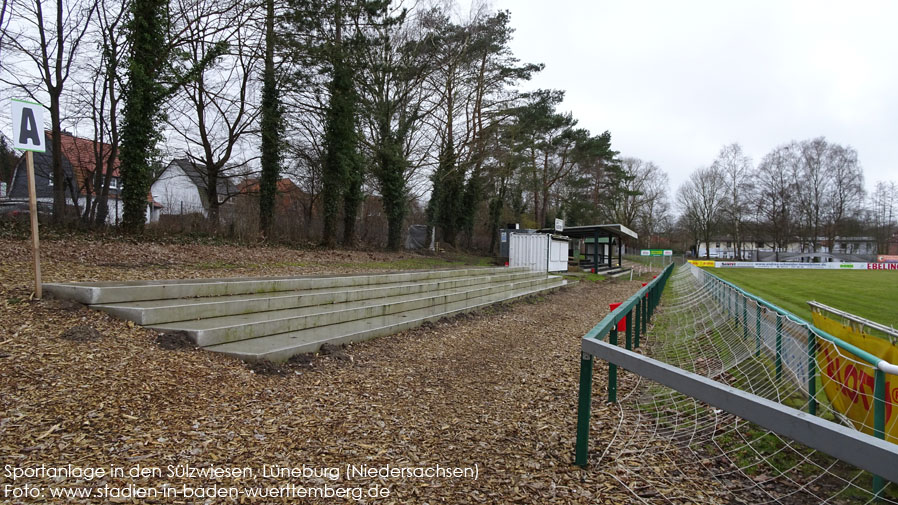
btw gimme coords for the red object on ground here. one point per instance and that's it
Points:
(654, 277)
(593, 271)
(506, 263)
(622, 324)
(644, 284)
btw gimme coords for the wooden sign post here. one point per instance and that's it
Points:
(28, 136)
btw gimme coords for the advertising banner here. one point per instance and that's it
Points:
(802, 266)
(885, 258)
(882, 266)
(703, 263)
(848, 381)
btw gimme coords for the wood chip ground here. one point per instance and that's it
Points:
(496, 389)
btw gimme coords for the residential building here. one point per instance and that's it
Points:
(181, 188)
(724, 248)
(79, 164)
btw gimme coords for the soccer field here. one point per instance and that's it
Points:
(872, 294)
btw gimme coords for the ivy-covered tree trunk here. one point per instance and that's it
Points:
(497, 203)
(270, 125)
(391, 166)
(472, 195)
(141, 113)
(340, 156)
(448, 192)
(352, 199)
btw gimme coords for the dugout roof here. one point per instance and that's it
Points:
(593, 230)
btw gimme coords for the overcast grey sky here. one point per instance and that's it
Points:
(675, 80)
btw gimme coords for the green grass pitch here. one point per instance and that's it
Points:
(872, 294)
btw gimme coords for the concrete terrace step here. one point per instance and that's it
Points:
(282, 346)
(156, 312)
(93, 293)
(219, 330)
(617, 272)
(275, 318)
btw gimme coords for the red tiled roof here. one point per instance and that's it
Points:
(80, 153)
(284, 187)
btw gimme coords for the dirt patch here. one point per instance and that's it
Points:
(267, 368)
(81, 333)
(66, 305)
(337, 352)
(175, 341)
(302, 361)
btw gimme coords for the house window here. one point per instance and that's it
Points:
(718, 245)
(221, 198)
(114, 183)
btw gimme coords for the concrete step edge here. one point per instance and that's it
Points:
(270, 323)
(283, 353)
(186, 309)
(110, 292)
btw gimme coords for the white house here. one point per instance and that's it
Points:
(181, 189)
(724, 248)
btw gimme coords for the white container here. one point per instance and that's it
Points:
(538, 252)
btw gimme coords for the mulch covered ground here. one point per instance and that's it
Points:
(494, 390)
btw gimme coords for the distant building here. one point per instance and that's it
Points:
(181, 188)
(78, 165)
(288, 197)
(753, 250)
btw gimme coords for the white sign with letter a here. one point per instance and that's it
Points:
(28, 126)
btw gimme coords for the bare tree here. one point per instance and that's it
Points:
(845, 195)
(701, 199)
(814, 182)
(218, 110)
(98, 99)
(735, 168)
(654, 207)
(45, 42)
(644, 184)
(776, 194)
(884, 212)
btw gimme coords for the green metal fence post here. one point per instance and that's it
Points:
(654, 298)
(637, 310)
(812, 373)
(879, 422)
(779, 346)
(645, 314)
(651, 300)
(583, 407)
(628, 339)
(758, 331)
(744, 318)
(612, 368)
(735, 306)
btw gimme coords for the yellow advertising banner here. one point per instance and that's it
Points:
(702, 263)
(848, 381)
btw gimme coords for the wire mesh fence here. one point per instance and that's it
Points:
(714, 329)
